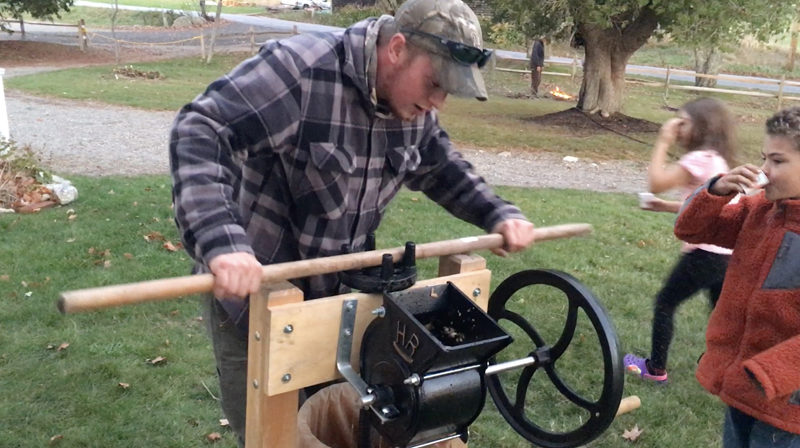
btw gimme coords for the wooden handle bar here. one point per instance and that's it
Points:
(628, 404)
(168, 288)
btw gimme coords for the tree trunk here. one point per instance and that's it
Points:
(792, 46)
(603, 78)
(203, 12)
(706, 61)
(607, 52)
(214, 31)
(114, 31)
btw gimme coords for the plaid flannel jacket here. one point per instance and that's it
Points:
(286, 158)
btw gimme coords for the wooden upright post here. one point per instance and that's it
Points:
(4, 130)
(271, 420)
(252, 40)
(83, 38)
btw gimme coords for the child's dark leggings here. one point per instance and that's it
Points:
(695, 271)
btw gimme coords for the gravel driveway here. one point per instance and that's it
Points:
(95, 139)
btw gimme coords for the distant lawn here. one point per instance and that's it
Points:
(186, 5)
(101, 17)
(182, 80)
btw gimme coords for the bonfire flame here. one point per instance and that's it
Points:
(560, 94)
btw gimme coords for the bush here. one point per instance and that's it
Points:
(505, 35)
(157, 18)
(347, 15)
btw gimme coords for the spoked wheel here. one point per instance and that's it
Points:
(591, 411)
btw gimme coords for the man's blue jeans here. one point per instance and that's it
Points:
(230, 352)
(742, 431)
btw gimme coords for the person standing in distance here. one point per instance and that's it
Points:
(536, 65)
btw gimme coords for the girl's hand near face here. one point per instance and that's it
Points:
(663, 176)
(669, 131)
(736, 181)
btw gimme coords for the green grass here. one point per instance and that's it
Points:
(185, 5)
(75, 392)
(182, 80)
(101, 17)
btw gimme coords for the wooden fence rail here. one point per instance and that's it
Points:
(668, 82)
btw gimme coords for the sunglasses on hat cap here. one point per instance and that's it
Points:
(462, 53)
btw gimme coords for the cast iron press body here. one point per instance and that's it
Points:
(428, 358)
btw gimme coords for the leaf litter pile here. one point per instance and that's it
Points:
(22, 181)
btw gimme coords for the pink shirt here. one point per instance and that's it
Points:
(702, 165)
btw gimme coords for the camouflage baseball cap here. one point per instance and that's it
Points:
(450, 31)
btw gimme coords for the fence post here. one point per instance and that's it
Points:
(252, 41)
(780, 91)
(83, 39)
(666, 84)
(4, 132)
(202, 46)
(574, 66)
(22, 27)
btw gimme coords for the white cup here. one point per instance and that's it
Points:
(761, 181)
(646, 199)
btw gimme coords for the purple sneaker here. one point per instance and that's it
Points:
(638, 366)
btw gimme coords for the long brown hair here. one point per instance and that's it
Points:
(712, 128)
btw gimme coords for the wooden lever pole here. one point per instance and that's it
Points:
(628, 404)
(168, 288)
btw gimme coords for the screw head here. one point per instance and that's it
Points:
(286, 377)
(255, 384)
(476, 292)
(288, 328)
(348, 332)
(257, 335)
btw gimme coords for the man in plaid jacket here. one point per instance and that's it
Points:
(298, 151)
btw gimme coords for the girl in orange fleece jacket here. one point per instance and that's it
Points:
(752, 359)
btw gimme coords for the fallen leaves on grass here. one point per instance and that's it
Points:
(123, 386)
(154, 236)
(214, 437)
(22, 192)
(100, 257)
(167, 244)
(56, 438)
(129, 71)
(158, 360)
(633, 434)
(171, 247)
(60, 347)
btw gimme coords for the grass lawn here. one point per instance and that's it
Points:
(73, 392)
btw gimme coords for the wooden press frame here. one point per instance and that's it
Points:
(292, 345)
